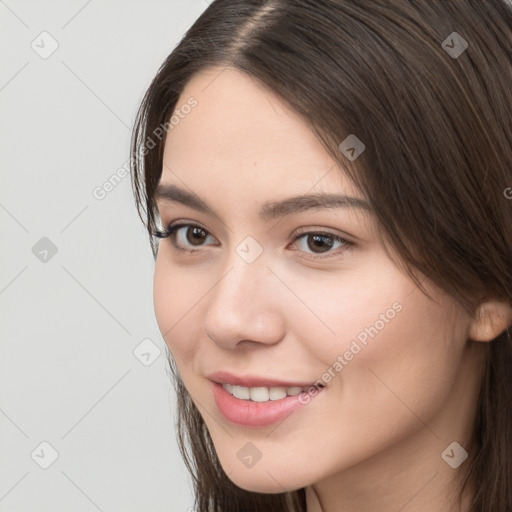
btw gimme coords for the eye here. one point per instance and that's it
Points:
(321, 241)
(186, 235)
(193, 234)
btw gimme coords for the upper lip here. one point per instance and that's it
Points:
(251, 381)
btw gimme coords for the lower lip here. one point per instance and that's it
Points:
(257, 414)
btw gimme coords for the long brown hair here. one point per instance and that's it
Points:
(434, 110)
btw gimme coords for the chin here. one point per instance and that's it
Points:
(263, 483)
(262, 479)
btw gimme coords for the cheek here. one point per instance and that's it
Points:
(175, 299)
(164, 300)
(423, 344)
(380, 341)
(407, 366)
(338, 312)
(375, 313)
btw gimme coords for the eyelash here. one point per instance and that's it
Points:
(171, 230)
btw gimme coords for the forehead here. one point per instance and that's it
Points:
(241, 130)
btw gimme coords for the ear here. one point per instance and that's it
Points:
(491, 319)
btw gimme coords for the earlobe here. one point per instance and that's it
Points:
(491, 319)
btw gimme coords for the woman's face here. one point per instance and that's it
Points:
(252, 300)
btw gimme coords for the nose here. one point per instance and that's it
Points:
(246, 306)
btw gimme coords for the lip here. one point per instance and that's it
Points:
(250, 381)
(247, 413)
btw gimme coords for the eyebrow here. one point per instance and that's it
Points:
(270, 210)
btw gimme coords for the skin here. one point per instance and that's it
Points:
(372, 441)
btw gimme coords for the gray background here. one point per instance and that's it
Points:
(70, 321)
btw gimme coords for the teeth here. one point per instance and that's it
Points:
(259, 394)
(277, 393)
(263, 394)
(241, 392)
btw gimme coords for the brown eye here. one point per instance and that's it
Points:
(184, 236)
(314, 243)
(321, 242)
(194, 235)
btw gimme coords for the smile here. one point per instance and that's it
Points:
(263, 394)
(263, 406)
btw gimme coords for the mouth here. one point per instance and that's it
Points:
(258, 405)
(264, 393)
(254, 381)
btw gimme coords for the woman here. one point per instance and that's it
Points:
(326, 185)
